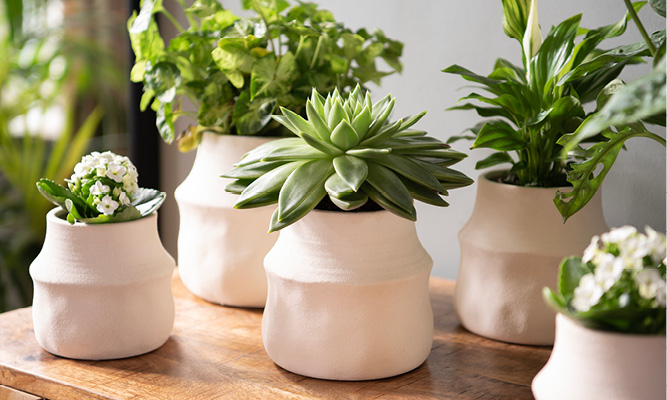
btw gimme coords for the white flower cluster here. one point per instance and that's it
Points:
(623, 250)
(106, 179)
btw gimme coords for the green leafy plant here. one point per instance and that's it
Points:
(103, 189)
(533, 107)
(621, 114)
(618, 284)
(237, 71)
(348, 152)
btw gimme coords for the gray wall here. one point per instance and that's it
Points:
(469, 33)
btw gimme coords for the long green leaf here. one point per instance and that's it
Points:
(302, 184)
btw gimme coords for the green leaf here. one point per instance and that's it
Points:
(57, 194)
(251, 116)
(301, 125)
(306, 180)
(316, 121)
(352, 170)
(424, 194)
(499, 136)
(322, 146)
(255, 155)
(658, 6)
(471, 76)
(571, 271)
(350, 201)
(234, 59)
(337, 187)
(344, 135)
(164, 120)
(390, 187)
(266, 184)
(336, 115)
(361, 123)
(368, 152)
(411, 170)
(163, 79)
(515, 18)
(493, 160)
(378, 197)
(272, 78)
(146, 202)
(294, 153)
(252, 171)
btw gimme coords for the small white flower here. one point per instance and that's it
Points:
(107, 156)
(82, 169)
(657, 245)
(592, 249)
(123, 199)
(624, 300)
(99, 188)
(107, 206)
(608, 270)
(101, 170)
(587, 294)
(650, 283)
(617, 235)
(116, 171)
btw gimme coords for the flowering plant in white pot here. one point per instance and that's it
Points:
(102, 272)
(348, 249)
(104, 188)
(612, 315)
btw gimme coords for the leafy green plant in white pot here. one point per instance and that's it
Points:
(237, 72)
(348, 278)
(610, 330)
(512, 244)
(102, 279)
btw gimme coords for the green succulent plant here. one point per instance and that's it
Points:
(348, 150)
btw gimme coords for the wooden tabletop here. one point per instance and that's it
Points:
(216, 353)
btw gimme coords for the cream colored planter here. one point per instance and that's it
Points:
(221, 250)
(348, 297)
(589, 364)
(102, 291)
(510, 249)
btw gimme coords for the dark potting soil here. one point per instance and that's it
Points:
(327, 205)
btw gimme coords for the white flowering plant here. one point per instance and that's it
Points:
(618, 285)
(104, 188)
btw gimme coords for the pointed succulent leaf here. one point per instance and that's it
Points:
(390, 186)
(385, 133)
(369, 152)
(268, 183)
(255, 155)
(379, 198)
(412, 120)
(318, 101)
(380, 120)
(344, 136)
(299, 123)
(293, 153)
(238, 186)
(424, 194)
(280, 219)
(336, 115)
(337, 187)
(322, 146)
(316, 121)
(350, 201)
(286, 123)
(410, 170)
(252, 171)
(353, 170)
(361, 122)
(304, 181)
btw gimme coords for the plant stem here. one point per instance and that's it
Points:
(173, 20)
(653, 136)
(640, 26)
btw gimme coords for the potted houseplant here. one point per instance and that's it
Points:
(348, 277)
(537, 109)
(610, 330)
(237, 72)
(102, 280)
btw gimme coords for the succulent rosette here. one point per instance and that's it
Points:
(103, 188)
(618, 284)
(347, 152)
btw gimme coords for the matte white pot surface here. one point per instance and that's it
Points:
(102, 291)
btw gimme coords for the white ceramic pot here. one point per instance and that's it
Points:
(590, 364)
(348, 297)
(102, 291)
(221, 250)
(511, 248)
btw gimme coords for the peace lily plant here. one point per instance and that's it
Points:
(237, 71)
(618, 284)
(538, 108)
(102, 189)
(346, 152)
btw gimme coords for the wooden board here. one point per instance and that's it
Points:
(216, 352)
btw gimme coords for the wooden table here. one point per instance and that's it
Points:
(216, 353)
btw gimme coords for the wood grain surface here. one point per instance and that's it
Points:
(216, 352)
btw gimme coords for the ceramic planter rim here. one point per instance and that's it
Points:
(57, 215)
(489, 175)
(612, 334)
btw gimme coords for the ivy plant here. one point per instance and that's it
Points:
(348, 153)
(531, 109)
(237, 71)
